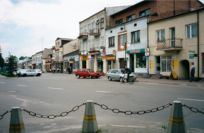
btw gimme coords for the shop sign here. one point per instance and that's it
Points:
(136, 51)
(192, 54)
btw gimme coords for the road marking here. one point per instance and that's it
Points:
(53, 88)
(130, 126)
(12, 91)
(189, 99)
(103, 91)
(2, 82)
(21, 85)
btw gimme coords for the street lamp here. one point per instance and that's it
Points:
(125, 48)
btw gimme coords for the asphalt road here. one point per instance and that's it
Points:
(56, 93)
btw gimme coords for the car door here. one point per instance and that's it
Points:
(117, 75)
(114, 74)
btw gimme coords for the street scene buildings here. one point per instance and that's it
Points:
(145, 37)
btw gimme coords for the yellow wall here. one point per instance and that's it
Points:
(179, 23)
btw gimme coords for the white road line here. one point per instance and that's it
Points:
(53, 88)
(103, 91)
(21, 85)
(12, 91)
(129, 126)
(189, 99)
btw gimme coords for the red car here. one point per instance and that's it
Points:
(86, 73)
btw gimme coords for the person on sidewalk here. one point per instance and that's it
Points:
(192, 72)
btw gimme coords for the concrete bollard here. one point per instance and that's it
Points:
(89, 122)
(16, 121)
(176, 120)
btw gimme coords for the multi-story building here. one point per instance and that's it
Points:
(92, 38)
(71, 55)
(47, 59)
(175, 43)
(129, 28)
(37, 60)
(57, 58)
(25, 63)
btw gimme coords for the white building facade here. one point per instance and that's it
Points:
(126, 45)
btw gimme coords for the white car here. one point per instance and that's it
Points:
(29, 72)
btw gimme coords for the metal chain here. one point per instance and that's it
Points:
(193, 109)
(141, 112)
(2, 115)
(52, 116)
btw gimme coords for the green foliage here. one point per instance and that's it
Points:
(1, 61)
(12, 64)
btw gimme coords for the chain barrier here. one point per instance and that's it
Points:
(2, 115)
(193, 109)
(52, 116)
(140, 112)
(104, 107)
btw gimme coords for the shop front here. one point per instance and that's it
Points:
(137, 61)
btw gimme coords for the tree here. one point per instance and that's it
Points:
(22, 57)
(12, 64)
(1, 61)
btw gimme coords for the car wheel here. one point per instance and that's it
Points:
(24, 75)
(109, 78)
(78, 76)
(121, 80)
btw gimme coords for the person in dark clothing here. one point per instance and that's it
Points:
(192, 78)
(128, 71)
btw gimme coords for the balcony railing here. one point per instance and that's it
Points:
(95, 32)
(170, 44)
(83, 36)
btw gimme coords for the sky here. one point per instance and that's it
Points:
(29, 26)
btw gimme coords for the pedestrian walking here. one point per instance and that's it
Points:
(192, 75)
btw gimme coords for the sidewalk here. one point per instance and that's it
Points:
(172, 82)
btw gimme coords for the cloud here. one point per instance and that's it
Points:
(28, 25)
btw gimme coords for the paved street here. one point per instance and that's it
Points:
(56, 93)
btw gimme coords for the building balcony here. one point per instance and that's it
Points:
(170, 45)
(83, 36)
(95, 32)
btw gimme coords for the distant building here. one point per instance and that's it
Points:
(47, 59)
(57, 58)
(25, 63)
(71, 55)
(37, 60)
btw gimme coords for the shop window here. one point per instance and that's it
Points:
(166, 63)
(135, 37)
(140, 60)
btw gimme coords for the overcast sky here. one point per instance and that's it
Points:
(28, 26)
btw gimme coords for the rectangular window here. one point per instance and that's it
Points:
(161, 35)
(144, 13)
(111, 41)
(191, 30)
(122, 39)
(135, 37)
(120, 21)
(140, 60)
(130, 18)
(166, 63)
